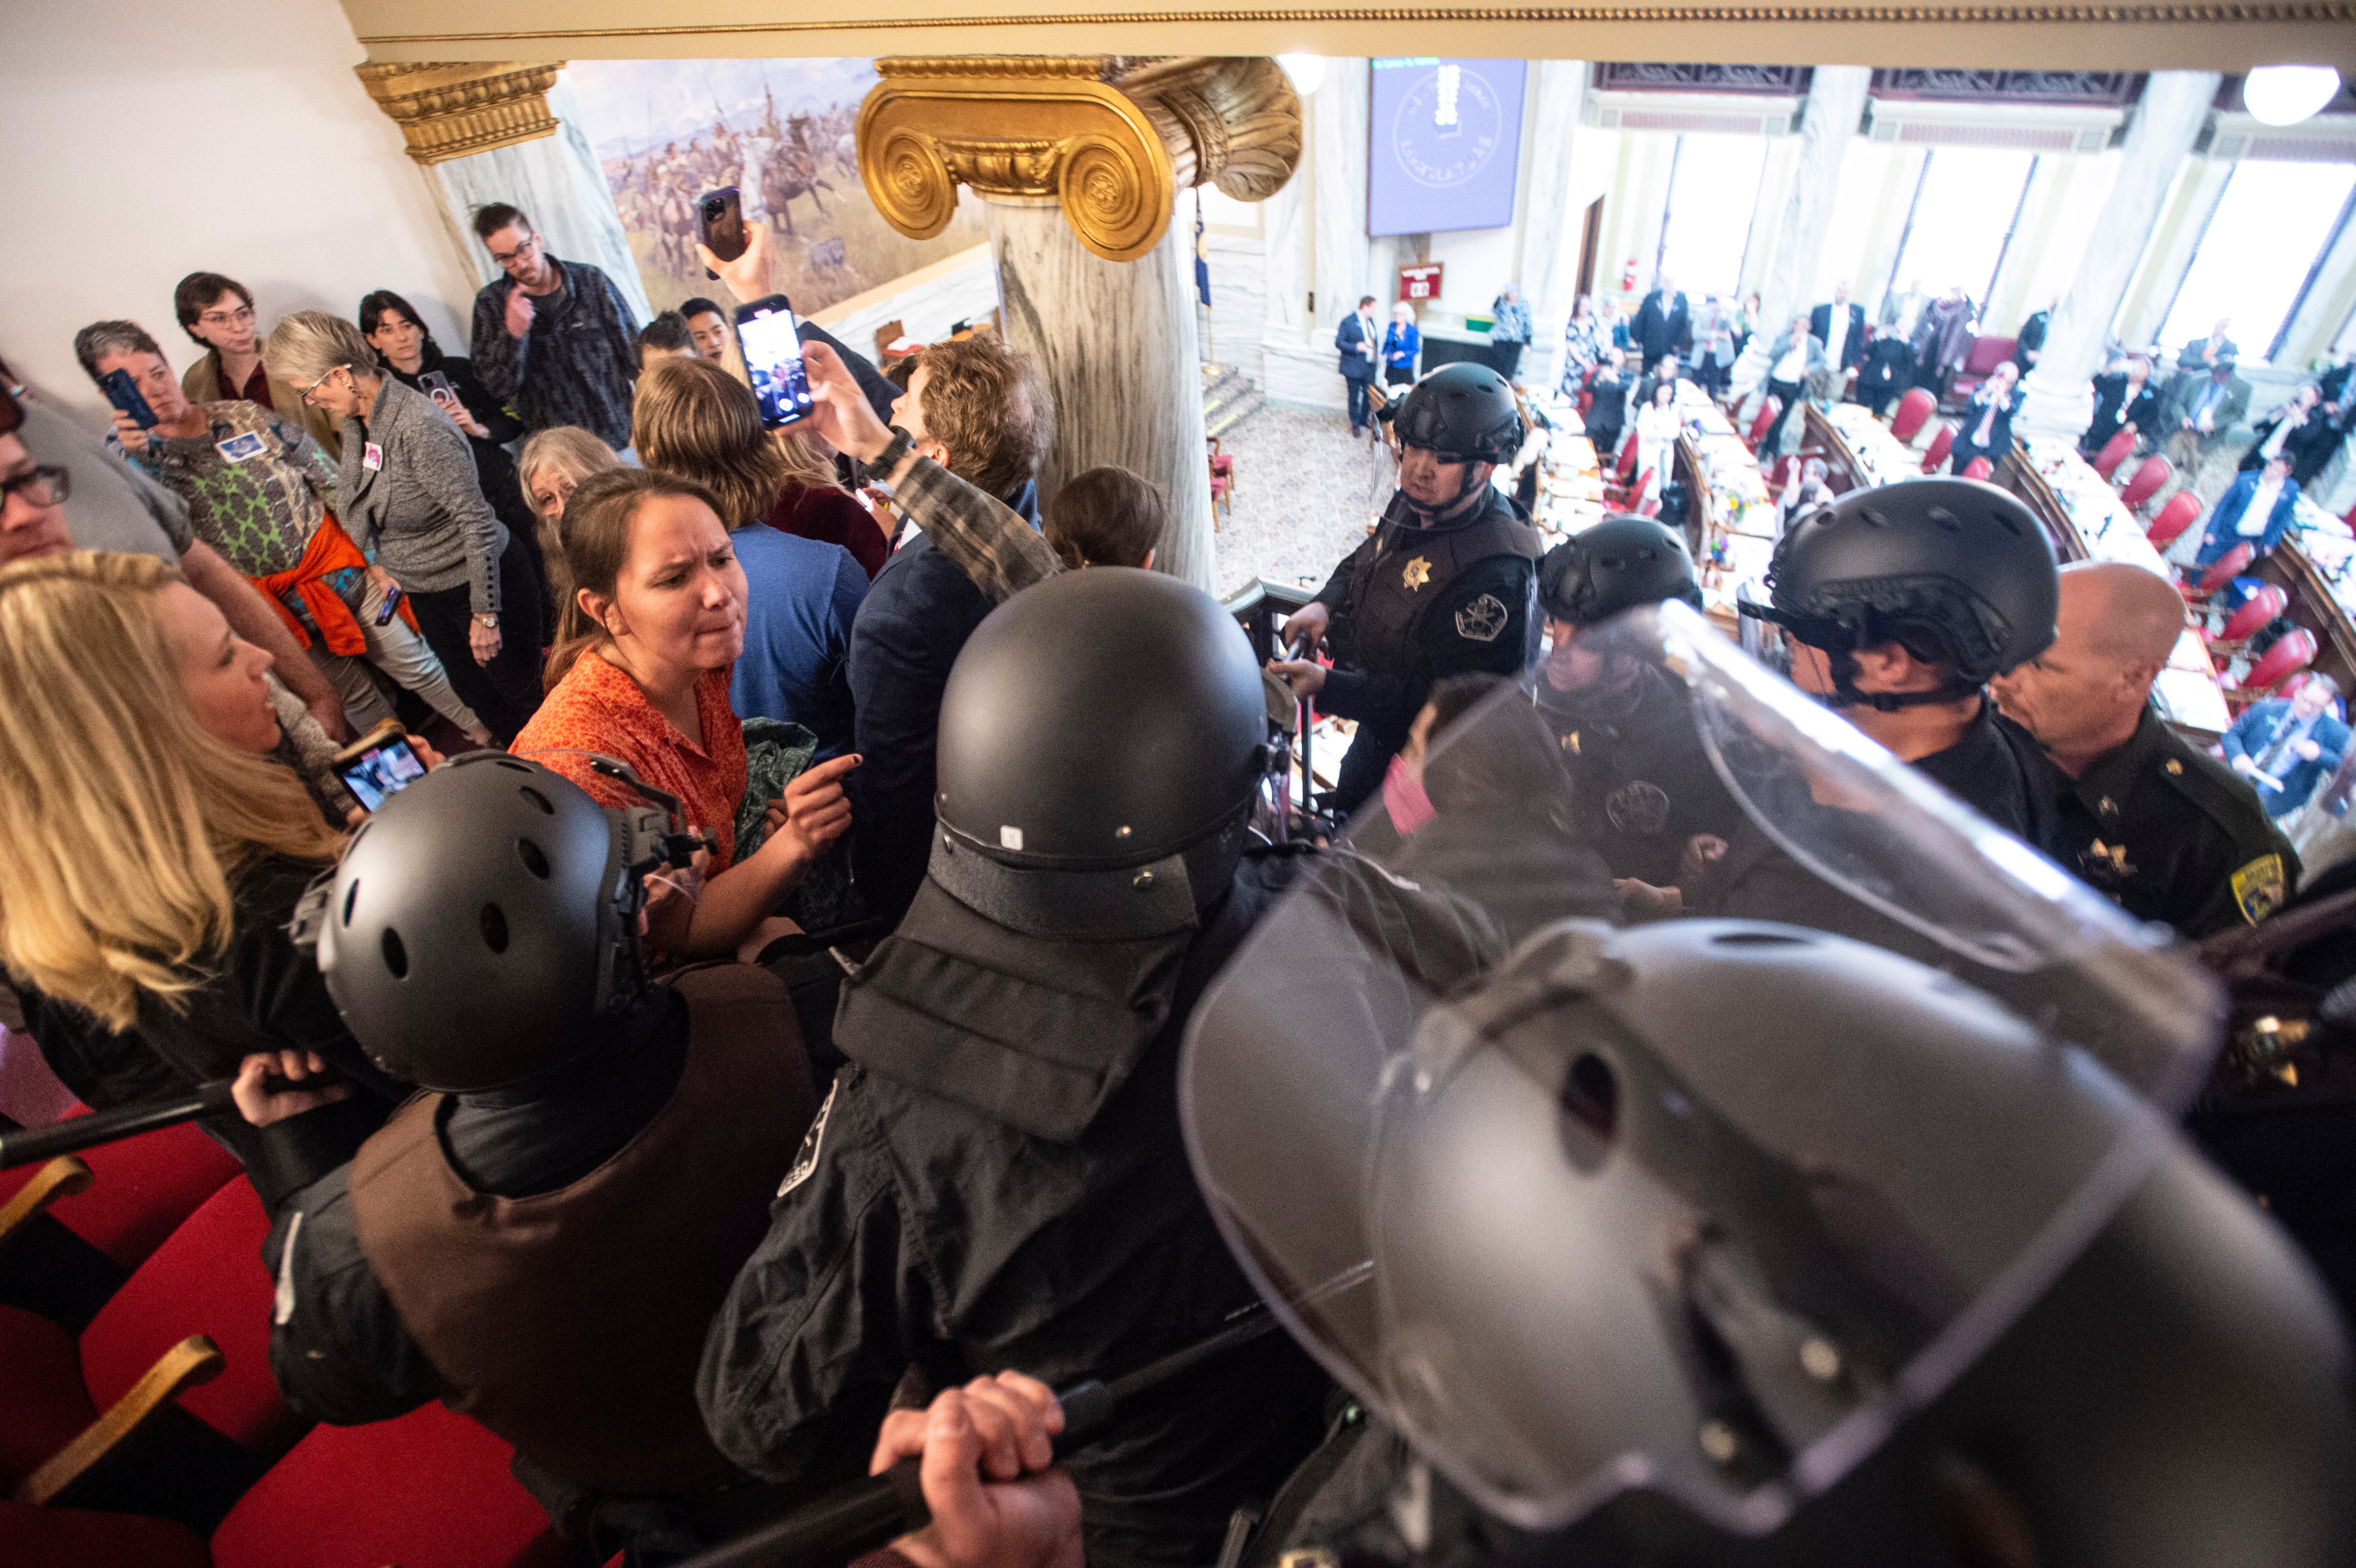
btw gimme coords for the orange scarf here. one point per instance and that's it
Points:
(330, 549)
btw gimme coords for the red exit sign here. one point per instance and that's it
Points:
(1416, 283)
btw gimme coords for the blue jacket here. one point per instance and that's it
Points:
(2252, 735)
(1350, 337)
(802, 598)
(918, 613)
(1401, 344)
(2224, 522)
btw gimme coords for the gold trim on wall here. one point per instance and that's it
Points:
(448, 111)
(1111, 140)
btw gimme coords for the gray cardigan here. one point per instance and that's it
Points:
(422, 515)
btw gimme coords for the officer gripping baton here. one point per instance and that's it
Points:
(30, 1146)
(858, 1516)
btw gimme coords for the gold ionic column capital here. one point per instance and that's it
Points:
(448, 112)
(1110, 139)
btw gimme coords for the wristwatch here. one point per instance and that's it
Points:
(894, 454)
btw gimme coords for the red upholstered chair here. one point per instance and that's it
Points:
(145, 1187)
(2114, 451)
(192, 1323)
(2290, 688)
(1987, 354)
(2145, 483)
(1627, 465)
(33, 1537)
(2290, 653)
(1913, 408)
(1978, 468)
(2183, 509)
(1768, 410)
(1941, 445)
(2255, 611)
(428, 1490)
(2228, 567)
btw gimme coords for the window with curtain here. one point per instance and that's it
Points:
(2271, 223)
(1969, 200)
(1706, 224)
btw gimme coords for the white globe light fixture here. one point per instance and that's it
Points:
(1307, 72)
(2286, 94)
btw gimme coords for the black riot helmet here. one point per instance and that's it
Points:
(1957, 571)
(1621, 562)
(1813, 1256)
(1464, 413)
(1103, 737)
(484, 920)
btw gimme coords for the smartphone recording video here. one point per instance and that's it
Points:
(773, 357)
(379, 766)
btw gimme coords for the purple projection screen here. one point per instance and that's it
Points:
(1446, 137)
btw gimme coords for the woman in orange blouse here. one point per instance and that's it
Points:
(640, 674)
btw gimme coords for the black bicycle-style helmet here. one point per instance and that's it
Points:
(1957, 569)
(1619, 563)
(1464, 414)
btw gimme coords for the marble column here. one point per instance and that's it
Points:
(1339, 135)
(1118, 342)
(1828, 124)
(1285, 268)
(499, 132)
(2059, 394)
(1549, 269)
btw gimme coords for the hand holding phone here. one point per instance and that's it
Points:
(720, 224)
(124, 393)
(380, 764)
(772, 360)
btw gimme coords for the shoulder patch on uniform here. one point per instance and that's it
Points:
(1483, 619)
(806, 1163)
(2258, 888)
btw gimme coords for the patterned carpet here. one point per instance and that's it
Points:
(1302, 497)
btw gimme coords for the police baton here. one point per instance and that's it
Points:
(30, 1146)
(859, 1517)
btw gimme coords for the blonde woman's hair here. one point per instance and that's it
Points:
(306, 345)
(575, 453)
(123, 822)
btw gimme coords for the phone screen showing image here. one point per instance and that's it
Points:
(773, 359)
(382, 772)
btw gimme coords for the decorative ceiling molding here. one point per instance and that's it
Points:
(449, 110)
(1110, 139)
(2067, 89)
(1644, 76)
(2214, 35)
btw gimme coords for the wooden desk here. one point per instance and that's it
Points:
(2312, 605)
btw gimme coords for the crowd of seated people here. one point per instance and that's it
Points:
(580, 545)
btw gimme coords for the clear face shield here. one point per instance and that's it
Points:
(1587, 1178)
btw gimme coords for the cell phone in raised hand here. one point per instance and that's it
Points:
(772, 360)
(720, 224)
(124, 393)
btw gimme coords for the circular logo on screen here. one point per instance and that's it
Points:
(1448, 127)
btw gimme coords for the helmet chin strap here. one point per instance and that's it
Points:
(1457, 505)
(1847, 695)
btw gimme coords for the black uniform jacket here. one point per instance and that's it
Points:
(2173, 835)
(921, 1230)
(258, 993)
(1481, 616)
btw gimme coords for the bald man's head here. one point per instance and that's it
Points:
(2125, 615)
(2113, 633)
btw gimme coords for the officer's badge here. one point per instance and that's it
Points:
(2109, 859)
(1418, 573)
(2258, 888)
(1638, 808)
(805, 1164)
(1481, 621)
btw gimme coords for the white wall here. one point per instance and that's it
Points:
(144, 141)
